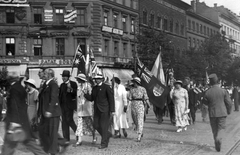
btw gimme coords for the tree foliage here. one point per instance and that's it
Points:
(3, 76)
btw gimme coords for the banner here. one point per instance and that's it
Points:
(70, 16)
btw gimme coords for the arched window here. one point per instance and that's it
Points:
(145, 16)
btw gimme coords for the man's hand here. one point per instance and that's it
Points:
(48, 114)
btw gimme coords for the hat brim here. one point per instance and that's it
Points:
(83, 79)
(30, 84)
(178, 83)
(136, 81)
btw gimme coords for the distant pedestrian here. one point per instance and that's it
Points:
(103, 98)
(235, 98)
(121, 105)
(138, 97)
(84, 111)
(219, 104)
(179, 96)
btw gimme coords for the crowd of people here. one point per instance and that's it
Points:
(108, 108)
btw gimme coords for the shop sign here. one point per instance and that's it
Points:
(17, 3)
(118, 31)
(107, 29)
(55, 62)
(112, 30)
(48, 15)
(10, 61)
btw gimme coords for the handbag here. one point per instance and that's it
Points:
(16, 134)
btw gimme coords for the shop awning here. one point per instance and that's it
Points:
(123, 74)
(33, 74)
(20, 69)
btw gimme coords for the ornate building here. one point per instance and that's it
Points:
(46, 33)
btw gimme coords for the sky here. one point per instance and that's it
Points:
(233, 5)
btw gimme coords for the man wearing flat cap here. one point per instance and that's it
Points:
(67, 99)
(219, 106)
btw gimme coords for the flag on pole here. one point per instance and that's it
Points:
(157, 92)
(87, 62)
(93, 69)
(207, 78)
(79, 60)
(157, 69)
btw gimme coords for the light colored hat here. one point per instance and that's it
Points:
(137, 79)
(31, 82)
(98, 76)
(178, 82)
(81, 76)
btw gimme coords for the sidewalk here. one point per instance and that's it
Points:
(161, 139)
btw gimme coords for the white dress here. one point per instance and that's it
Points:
(120, 117)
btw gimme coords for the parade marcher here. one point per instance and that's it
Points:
(179, 96)
(103, 98)
(121, 105)
(235, 98)
(17, 117)
(49, 112)
(219, 104)
(32, 99)
(41, 76)
(204, 107)
(68, 103)
(138, 97)
(84, 110)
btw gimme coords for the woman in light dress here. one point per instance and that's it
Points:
(121, 104)
(84, 111)
(179, 97)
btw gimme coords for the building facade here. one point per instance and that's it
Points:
(46, 33)
(199, 27)
(168, 16)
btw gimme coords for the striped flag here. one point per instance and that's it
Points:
(70, 16)
(157, 69)
(207, 78)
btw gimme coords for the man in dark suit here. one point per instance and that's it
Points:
(67, 99)
(235, 98)
(219, 106)
(104, 107)
(49, 112)
(17, 117)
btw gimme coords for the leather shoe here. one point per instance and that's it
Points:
(102, 147)
(218, 146)
(63, 147)
(77, 144)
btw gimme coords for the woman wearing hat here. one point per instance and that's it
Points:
(138, 96)
(179, 96)
(84, 110)
(32, 99)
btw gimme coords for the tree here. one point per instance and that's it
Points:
(3, 76)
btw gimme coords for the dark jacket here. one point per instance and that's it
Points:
(68, 99)
(218, 101)
(48, 100)
(103, 98)
(17, 108)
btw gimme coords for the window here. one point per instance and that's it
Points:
(125, 49)
(194, 43)
(189, 42)
(132, 25)
(159, 22)
(171, 26)
(37, 47)
(198, 43)
(124, 2)
(189, 24)
(59, 16)
(152, 20)
(131, 3)
(10, 16)
(133, 48)
(115, 20)
(60, 46)
(116, 48)
(37, 15)
(201, 29)
(197, 27)
(177, 28)
(82, 43)
(208, 31)
(182, 30)
(144, 17)
(106, 46)
(193, 25)
(124, 25)
(10, 46)
(204, 30)
(165, 24)
(105, 16)
(82, 16)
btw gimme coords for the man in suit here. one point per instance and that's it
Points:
(49, 112)
(104, 107)
(219, 106)
(17, 117)
(235, 98)
(67, 99)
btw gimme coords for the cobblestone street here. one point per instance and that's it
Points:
(161, 139)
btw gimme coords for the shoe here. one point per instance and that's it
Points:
(142, 135)
(63, 147)
(125, 134)
(77, 144)
(117, 136)
(179, 130)
(94, 141)
(102, 147)
(185, 128)
(139, 139)
(218, 146)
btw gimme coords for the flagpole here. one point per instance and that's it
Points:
(74, 59)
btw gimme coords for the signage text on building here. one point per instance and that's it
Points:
(112, 30)
(10, 61)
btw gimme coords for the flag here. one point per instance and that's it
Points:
(157, 92)
(70, 16)
(207, 78)
(94, 69)
(87, 63)
(157, 69)
(79, 60)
